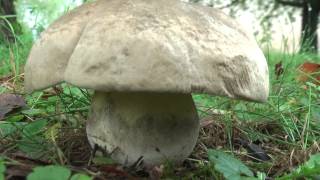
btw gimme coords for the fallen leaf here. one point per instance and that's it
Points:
(254, 151)
(156, 172)
(10, 102)
(16, 172)
(309, 71)
(278, 69)
(114, 170)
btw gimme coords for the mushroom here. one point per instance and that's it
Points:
(143, 59)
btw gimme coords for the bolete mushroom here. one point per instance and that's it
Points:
(143, 59)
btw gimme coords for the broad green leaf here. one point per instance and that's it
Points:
(50, 173)
(241, 110)
(32, 142)
(6, 129)
(34, 146)
(80, 177)
(34, 127)
(231, 168)
(313, 161)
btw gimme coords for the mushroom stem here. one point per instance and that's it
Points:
(155, 126)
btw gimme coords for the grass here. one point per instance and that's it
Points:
(13, 55)
(51, 128)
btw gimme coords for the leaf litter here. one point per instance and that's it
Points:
(71, 149)
(9, 103)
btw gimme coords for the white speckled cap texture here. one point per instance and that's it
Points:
(149, 46)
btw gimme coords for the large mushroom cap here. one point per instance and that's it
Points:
(156, 46)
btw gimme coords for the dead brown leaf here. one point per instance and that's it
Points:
(156, 172)
(10, 102)
(278, 69)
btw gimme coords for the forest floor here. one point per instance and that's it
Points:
(237, 138)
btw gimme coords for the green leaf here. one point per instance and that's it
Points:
(241, 111)
(50, 173)
(231, 168)
(6, 129)
(32, 142)
(34, 146)
(80, 177)
(34, 127)
(15, 118)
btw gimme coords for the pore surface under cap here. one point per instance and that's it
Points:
(149, 45)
